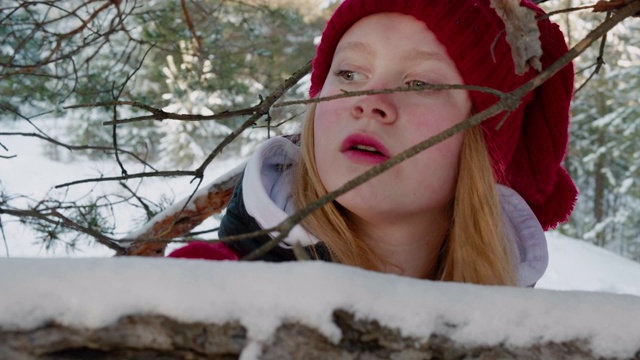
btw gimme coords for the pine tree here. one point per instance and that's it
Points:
(604, 152)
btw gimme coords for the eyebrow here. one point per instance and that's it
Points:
(414, 56)
(357, 46)
(423, 56)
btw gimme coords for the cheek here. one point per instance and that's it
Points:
(321, 129)
(448, 151)
(437, 121)
(445, 157)
(327, 122)
(451, 150)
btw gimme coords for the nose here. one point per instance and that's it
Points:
(379, 107)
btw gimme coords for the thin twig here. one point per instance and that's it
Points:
(264, 108)
(226, 239)
(77, 147)
(192, 30)
(4, 237)
(563, 11)
(144, 205)
(256, 111)
(435, 87)
(129, 176)
(599, 60)
(115, 111)
(203, 232)
(114, 139)
(259, 110)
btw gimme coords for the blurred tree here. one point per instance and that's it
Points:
(604, 154)
(225, 56)
(194, 57)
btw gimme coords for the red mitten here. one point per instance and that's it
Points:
(204, 250)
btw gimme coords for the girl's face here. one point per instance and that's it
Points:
(353, 134)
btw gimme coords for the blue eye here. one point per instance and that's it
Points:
(349, 75)
(416, 84)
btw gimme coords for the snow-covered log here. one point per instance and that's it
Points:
(152, 336)
(126, 308)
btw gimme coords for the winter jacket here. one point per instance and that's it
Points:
(268, 201)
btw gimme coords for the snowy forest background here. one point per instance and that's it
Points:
(66, 68)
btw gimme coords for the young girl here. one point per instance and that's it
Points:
(470, 209)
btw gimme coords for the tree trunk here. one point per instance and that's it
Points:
(159, 337)
(600, 181)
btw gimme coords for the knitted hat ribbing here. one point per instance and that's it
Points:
(527, 151)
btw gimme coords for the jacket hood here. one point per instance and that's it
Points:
(269, 172)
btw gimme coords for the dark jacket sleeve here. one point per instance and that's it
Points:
(237, 221)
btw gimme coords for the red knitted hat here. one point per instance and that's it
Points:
(527, 151)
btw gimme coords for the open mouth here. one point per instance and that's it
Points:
(366, 149)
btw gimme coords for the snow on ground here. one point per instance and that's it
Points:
(33, 174)
(96, 292)
(578, 265)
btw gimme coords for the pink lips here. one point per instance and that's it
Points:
(360, 149)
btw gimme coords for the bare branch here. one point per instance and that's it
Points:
(144, 205)
(599, 61)
(261, 110)
(437, 87)
(158, 114)
(129, 176)
(562, 11)
(62, 59)
(612, 5)
(4, 237)
(192, 30)
(77, 147)
(264, 107)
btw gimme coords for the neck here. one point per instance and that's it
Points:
(409, 247)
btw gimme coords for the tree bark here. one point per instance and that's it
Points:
(159, 337)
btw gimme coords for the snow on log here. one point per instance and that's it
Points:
(126, 308)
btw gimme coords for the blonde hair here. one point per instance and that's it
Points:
(476, 248)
